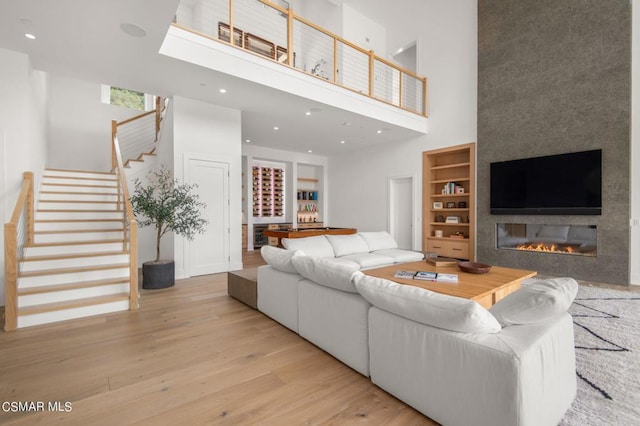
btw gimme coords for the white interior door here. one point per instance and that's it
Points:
(209, 252)
(401, 211)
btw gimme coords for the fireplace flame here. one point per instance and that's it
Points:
(545, 247)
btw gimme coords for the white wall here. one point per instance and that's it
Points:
(23, 120)
(447, 40)
(215, 132)
(634, 253)
(80, 128)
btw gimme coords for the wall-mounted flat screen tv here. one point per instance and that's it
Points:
(565, 184)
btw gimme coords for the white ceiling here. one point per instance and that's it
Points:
(82, 39)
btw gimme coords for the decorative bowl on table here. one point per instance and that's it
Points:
(474, 267)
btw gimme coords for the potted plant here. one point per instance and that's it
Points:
(168, 206)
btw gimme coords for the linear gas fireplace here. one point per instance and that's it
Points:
(578, 240)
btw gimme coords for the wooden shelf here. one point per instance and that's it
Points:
(441, 167)
(307, 180)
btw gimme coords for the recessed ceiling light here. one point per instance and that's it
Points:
(309, 151)
(307, 113)
(379, 131)
(341, 141)
(248, 140)
(30, 36)
(133, 30)
(275, 127)
(223, 90)
(346, 123)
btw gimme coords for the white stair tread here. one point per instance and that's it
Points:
(70, 256)
(70, 286)
(71, 270)
(59, 306)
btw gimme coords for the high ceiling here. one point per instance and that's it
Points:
(83, 39)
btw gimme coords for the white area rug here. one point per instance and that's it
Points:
(607, 336)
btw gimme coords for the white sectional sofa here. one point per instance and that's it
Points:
(326, 310)
(448, 357)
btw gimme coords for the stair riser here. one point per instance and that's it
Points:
(83, 236)
(61, 181)
(40, 215)
(61, 296)
(71, 173)
(28, 282)
(78, 189)
(45, 318)
(75, 226)
(72, 249)
(77, 262)
(78, 196)
(50, 205)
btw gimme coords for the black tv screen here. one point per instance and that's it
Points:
(556, 184)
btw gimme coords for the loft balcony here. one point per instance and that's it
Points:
(322, 66)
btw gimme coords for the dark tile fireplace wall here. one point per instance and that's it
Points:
(554, 77)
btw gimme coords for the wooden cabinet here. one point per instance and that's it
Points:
(310, 225)
(449, 201)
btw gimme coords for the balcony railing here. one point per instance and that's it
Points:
(272, 31)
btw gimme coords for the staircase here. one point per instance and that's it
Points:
(78, 264)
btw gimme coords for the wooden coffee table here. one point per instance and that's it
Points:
(486, 289)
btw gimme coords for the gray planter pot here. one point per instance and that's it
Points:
(157, 275)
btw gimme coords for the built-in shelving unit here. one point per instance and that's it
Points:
(308, 200)
(268, 192)
(449, 201)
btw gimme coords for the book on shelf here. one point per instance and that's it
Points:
(426, 275)
(405, 274)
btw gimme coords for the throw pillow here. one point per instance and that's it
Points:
(380, 240)
(312, 246)
(536, 302)
(327, 272)
(426, 307)
(280, 259)
(344, 245)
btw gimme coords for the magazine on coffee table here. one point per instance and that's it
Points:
(427, 276)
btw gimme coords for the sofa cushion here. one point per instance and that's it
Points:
(380, 240)
(536, 302)
(369, 260)
(326, 272)
(317, 246)
(347, 244)
(280, 259)
(400, 255)
(426, 307)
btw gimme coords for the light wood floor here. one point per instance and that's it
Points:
(191, 355)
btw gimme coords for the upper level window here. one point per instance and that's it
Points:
(127, 98)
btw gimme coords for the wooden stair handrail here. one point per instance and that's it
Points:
(25, 199)
(129, 217)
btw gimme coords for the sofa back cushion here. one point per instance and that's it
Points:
(280, 259)
(426, 307)
(344, 245)
(536, 302)
(317, 246)
(380, 240)
(327, 272)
